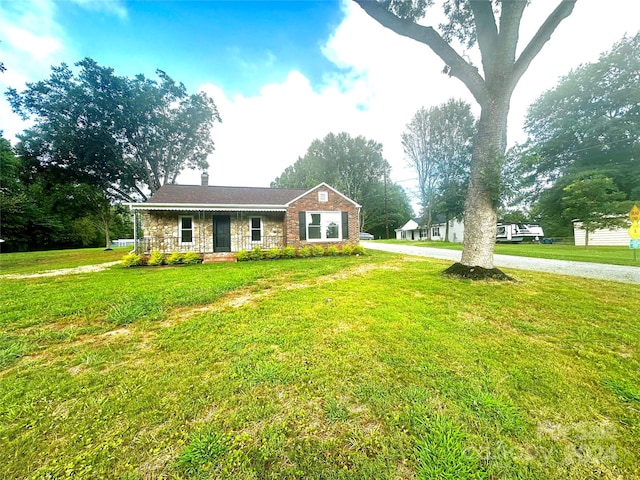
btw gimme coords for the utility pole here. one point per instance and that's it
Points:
(386, 209)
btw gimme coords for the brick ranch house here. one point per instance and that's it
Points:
(215, 220)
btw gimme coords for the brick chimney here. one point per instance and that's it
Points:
(204, 179)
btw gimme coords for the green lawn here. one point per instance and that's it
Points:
(347, 368)
(597, 254)
(31, 262)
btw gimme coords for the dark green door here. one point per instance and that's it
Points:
(221, 233)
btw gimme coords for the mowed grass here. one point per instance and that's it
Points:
(596, 254)
(32, 262)
(346, 368)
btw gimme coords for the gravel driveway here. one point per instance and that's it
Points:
(600, 271)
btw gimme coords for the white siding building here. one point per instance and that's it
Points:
(616, 236)
(413, 231)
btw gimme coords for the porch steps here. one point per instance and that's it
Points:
(219, 257)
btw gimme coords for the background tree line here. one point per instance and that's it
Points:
(437, 143)
(581, 159)
(96, 139)
(355, 167)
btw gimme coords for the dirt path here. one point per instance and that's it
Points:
(63, 271)
(601, 271)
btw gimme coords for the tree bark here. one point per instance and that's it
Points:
(480, 217)
(492, 92)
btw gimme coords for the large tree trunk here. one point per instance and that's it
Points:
(480, 216)
(497, 39)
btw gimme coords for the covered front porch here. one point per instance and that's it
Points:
(207, 231)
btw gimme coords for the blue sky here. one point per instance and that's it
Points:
(238, 45)
(282, 73)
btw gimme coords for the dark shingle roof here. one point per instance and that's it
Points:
(214, 195)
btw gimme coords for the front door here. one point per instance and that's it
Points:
(221, 233)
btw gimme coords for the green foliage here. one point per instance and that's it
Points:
(332, 251)
(132, 260)
(359, 250)
(317, 251)
(11, 351)
(304, 252)
(356, 168)
(272, 253)
(443, 452)
(156, 258)
(288, 252)
(256, 253)
(98, 142)
(202, 452)
(127, 312)
(364, 375)
(42, 208)
(175, 258)
(438, 143)
(192, 258)
(347, 250)
(243, 256)
(594, 200)
(335, 411)
(388, 206)
(588, 124)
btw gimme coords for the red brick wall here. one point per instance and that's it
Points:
(309, 202)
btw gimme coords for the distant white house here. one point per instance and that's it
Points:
(612, 237)
(505, 232)
(412, 230)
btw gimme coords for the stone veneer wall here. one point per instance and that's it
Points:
(272, 230)
(161, 230)
(309, 202)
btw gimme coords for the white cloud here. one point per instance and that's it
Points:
(114, 7)
(37, 46)
(387, 79)
(31, 41)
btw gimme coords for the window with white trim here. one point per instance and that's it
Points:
(185, 226)
(256, 229)
(324, 226)
(323, 196)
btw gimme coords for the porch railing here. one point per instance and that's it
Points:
(147, 245)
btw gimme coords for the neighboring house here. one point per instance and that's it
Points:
(505, 232)
(617, 236)
(415, 230)
(213, 219)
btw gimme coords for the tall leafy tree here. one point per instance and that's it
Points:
(385, 209)
(349, 164)
(595, 201)
(353, 165)
(437, 142)
(41, 209)
(591, 120)
(127, 136)
(494, 28)
(419, 145)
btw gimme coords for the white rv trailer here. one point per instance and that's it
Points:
(518, 232)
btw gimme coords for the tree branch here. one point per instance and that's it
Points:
(459, 68)
(486, 32)
(510, 17)
(562, 11)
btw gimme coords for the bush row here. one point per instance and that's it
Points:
(159, 258)
(257, 253)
